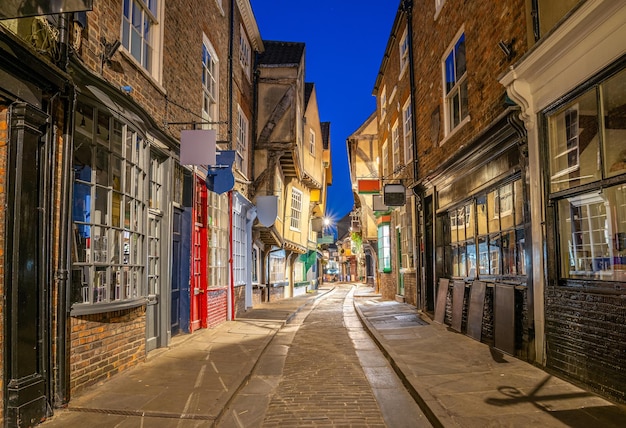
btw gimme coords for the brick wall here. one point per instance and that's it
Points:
(257, 295)
(106, 344)
(388, 286)
(276, 293)
(485, 24)
(585, 334)
(217, 308)
(240, 300)
(410, 288)
(3, 171)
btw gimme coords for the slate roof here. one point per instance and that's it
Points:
(281, 53)
(325, 134)
(308, 90)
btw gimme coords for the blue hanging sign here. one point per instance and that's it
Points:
(220, 176)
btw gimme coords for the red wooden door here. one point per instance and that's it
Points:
(198, 307)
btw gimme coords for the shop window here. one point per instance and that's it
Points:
(255, 265)
(109, 210)
(592, 229)
(218, 239)
(239, 247)
(156, 197)
(384, 248)
(485, 236)
(591, 198)
(298, 271)
(574, 143)
(277, 267)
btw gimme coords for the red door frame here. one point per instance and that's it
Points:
(199, 273)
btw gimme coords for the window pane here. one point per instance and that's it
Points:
(509, 265)
(454, 226)
(471, 259)
(82, 203)
(521, 251)
(613, 94)
(459, 57)
(483, 256)
(102, 167)
(469, 221)
(573, 137)
(460, 219)
(462, 261)
(116, 172)
(102, 129)
(495, 254)
(519, 202)
(481, 214)
(83, 244)
(82, 159)
(593, 235)
(101, 213)
(506, 206)
(493, 211)
(455, 261)
(450, 78)
(116, 137)
(463, 108)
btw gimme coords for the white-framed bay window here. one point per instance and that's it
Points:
(109, 215)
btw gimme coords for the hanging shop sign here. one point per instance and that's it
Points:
(368, 186)
(394, 195)
(20, 9)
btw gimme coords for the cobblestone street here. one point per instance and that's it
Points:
(330, 374)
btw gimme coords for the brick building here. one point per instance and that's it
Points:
(396, 140)
(518, 180)
(571, 86)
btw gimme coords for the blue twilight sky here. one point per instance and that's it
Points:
(345, 42)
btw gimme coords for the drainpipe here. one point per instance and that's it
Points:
(231, 42)
(231, 292)
(61, 372)
(231, 288)
(407, 6)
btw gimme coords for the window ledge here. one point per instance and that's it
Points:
(131, 59)
(100, 308)
(454, 131)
